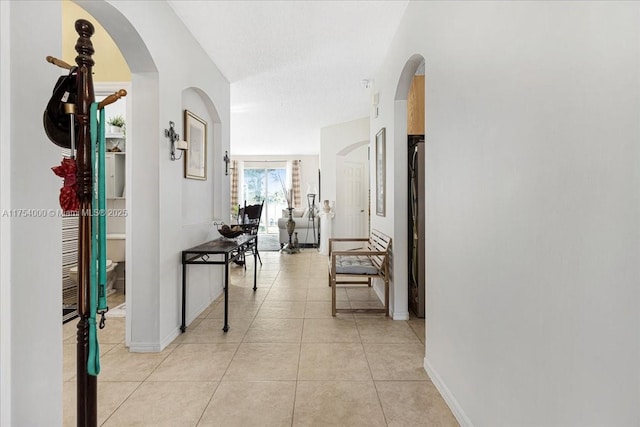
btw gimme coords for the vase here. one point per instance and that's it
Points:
(296, 243)
(291, 225)
(326, 207)
(115, 129)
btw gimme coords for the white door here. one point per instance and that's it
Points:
(354, 200)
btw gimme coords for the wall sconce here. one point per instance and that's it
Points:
(176, 143)
(226, 161)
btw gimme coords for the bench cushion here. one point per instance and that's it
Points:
(351, 264)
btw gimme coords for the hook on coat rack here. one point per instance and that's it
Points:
(112, 98)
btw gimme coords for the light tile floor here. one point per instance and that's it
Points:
(285, 362)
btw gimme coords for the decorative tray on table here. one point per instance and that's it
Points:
(230, 232)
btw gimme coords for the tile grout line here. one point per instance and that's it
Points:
(122, 403)
(375, 387)
(138, 386)
(295, 390)
(232, 357)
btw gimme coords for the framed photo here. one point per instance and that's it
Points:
(195, 158)
(380, 173)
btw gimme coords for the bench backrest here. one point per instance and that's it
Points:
(378, 242)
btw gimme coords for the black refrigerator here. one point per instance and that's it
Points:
(416, 230)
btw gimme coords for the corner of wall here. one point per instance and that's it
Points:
(446, 394)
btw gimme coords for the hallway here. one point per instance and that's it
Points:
(284, 362)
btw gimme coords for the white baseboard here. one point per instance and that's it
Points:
(158, 347)
(379, 290)
(155, 347)
(169, 338)
(404, 315)
(145, 347)
(448, 397)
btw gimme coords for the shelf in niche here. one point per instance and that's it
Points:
(115, 136)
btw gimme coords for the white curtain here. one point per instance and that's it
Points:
(295, 184)
(289, 174)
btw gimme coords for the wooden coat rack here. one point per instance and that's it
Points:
(87, 407)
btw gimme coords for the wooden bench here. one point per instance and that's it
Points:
(369, 262)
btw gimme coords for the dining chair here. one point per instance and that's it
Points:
(249, 218)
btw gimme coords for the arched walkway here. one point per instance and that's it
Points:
(144, 87)
(401, 193)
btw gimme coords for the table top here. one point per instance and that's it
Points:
(221, 245)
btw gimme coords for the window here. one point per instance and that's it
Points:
(266, 181)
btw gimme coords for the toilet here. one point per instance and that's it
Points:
(111, 275)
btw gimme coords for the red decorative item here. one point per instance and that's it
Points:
(68, 193)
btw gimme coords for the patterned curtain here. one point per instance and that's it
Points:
(234, 185)
(295, 182)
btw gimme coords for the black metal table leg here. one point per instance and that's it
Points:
(226, 292)
(183, 327)
(255, 264)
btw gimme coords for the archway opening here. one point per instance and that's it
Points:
(143, 87)
(410, 237)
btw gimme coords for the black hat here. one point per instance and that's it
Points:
(57, 125)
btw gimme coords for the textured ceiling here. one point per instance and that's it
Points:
(294, 66)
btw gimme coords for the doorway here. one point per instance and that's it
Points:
(407, 110)
(416, 202)
(416, 225)
(352, 197)
(116, 214)
(143, 77)
(118, 136)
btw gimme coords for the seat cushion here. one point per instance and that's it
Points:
(351, 264)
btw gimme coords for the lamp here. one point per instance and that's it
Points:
(226, 161)
(176, 143)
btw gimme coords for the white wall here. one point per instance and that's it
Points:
(154, 190)
(156, 218)
(532, 206)
(5, 222)
(335, 143)
(35, 242)
(201, 203)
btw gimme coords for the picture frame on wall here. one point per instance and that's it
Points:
(380, 172)
(195, 158)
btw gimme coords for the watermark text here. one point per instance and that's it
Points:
(48, 213)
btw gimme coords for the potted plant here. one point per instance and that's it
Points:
(117, 124)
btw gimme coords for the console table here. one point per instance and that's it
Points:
(230, 249)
